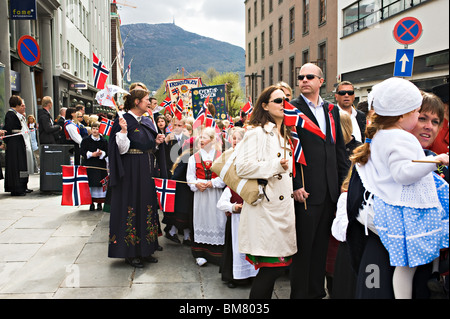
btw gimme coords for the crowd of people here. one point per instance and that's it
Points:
(372, 190)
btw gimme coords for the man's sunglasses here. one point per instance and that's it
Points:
(308, 76)
(342, 93)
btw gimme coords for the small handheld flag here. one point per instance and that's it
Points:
(100, 73)
(165, 190)
(294, 117)
(75, 186)
(105, 127)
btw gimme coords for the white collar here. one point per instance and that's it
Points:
(310, 103)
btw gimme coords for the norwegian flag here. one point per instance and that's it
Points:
(200, 118)
(230, 119)
(175, 91)
(247, 109)
(179, 109)
(100, 73)
(105, 127)
(75, 186)
(332, 123)
(167, 102)
(104, 183)
(165, 190)
(296, 147)
(294, 117)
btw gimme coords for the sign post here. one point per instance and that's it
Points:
(30, 54)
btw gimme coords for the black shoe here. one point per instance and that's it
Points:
(173, 238)
(92, 207)
(99, 206)
(134, 262)
(18, 194)
(159, 248)
(231, 284)
(187, 242)
(28, 190)
(150, 259)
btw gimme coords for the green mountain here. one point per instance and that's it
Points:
(159, 50)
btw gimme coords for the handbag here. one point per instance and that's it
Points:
(251, 191)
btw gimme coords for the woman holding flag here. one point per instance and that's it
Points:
(134, 143)
(267, 230)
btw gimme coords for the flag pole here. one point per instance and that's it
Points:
(303, 183)
(285, 145)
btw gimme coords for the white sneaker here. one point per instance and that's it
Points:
(201, 261)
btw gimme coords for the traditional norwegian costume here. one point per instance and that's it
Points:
(134, 222)
(208, 221)
(409, 203)
(234, 265)
(90, 145)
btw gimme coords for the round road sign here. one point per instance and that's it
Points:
(28, 50)
(407, 30)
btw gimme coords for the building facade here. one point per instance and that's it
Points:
(68, 33)
(282, 35)
(367, 47)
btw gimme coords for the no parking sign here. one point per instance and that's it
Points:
(408, 30)
(28, 50)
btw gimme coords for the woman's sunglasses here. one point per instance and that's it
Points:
(279, 100)
(308, 76)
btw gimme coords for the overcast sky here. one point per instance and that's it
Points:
(222, 20)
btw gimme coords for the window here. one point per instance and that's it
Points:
(364, 13)
(292, 72)
(292, 25)
(249, 52)
(322, 58)
(249, 20)
(256, 50)
(280, 71)
(271, 39)
(322, 11)
(270, 6)
(263, 9)
(270, 75)
(305, 16)
(280, 33)
(305, 57)
(255, 13)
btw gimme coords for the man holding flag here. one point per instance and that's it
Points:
(325, 169)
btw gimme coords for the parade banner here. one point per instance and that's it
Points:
(181, 89)
(217, 96)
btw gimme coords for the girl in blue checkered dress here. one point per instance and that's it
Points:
(408, 203)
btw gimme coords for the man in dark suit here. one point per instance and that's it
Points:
(345, 96)
(323, 175)
(48, 130)
(62, 118)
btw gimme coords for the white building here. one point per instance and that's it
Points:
(81, 28)
(367, 47)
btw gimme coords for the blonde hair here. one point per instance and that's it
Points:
(346, 125)
(361, 154)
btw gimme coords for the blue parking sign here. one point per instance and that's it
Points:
(404, 62)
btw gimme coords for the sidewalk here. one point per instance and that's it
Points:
(53, 251)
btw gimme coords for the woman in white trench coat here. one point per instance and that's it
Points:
(267, 230)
